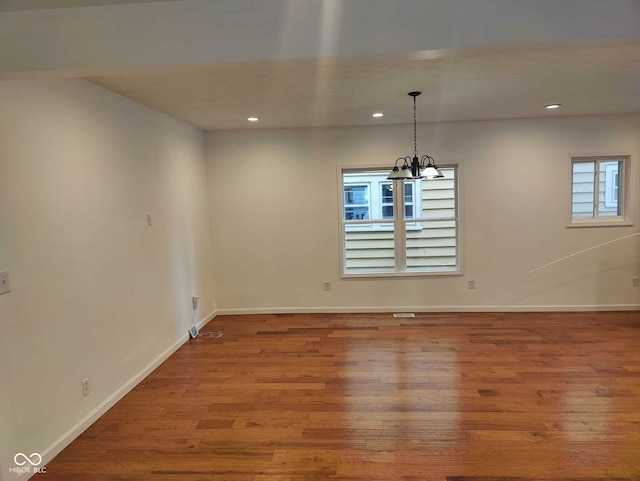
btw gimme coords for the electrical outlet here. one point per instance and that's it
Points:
(327, 286)
(634, 282)
(194, 301)
(149, 220)
(85, 387)
(472, 284)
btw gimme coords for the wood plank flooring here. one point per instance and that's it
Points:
(439, 397)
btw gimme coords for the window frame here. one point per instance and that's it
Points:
(399, 222)
(622, 220)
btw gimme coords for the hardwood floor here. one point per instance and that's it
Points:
(446, 397)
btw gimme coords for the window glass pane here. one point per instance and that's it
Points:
(356, 213)
(386, 199)
(408, 192)
(408, 212)
(387, 193)
(609, 189)
(431, 246)
(409, 199)
(367, 188)
(370, 250)
(356, 194)
(356, 202)
(583, 189)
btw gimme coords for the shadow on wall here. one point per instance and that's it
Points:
(601, 271)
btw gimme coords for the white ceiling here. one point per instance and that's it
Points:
(301, 63)
(489, 83)
(24, 5)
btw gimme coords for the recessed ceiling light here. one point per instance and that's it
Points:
(377, 114)
(552, 106)
(252, 119)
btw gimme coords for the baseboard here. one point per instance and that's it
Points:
(54, 449)
(519, 308)
(206, 319)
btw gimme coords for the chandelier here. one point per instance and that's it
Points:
(414, 167)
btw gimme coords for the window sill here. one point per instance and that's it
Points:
(401, 275)
(600, 223)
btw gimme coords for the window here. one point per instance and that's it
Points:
(409, 200)
(356, 202)
(386, 200)
(369, 195)
(411, 227)
(597, 194)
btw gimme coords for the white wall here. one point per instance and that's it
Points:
(96, 292)
(274, 205)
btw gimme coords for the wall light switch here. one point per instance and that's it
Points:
(5, 285)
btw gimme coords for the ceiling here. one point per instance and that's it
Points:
(24, 5)
(488, 83)
(318, 63)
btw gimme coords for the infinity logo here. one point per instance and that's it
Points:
(29, 459)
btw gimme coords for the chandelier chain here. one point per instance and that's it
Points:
(415, 137)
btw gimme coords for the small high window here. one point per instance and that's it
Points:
(597, 194)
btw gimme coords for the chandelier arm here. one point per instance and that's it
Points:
(404, 160)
